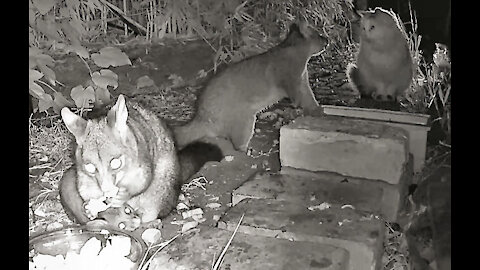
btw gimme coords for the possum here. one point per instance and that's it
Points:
(127, 156)
(227, 106)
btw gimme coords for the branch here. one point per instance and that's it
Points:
(138, 28)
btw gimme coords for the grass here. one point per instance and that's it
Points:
(431, 85)
(49, 156)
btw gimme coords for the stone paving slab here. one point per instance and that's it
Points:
(199, 250)
(222, 178)
(352, 147)
(358, 232)
(310, 188)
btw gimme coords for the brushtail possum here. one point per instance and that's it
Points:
(127, 159)
(227, 106)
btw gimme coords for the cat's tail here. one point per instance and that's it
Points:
(353, 77)
(193, 156)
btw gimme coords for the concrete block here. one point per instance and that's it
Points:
(351, 147)
(360, 233)
(417, 126)
(199, 250)
(310, 188)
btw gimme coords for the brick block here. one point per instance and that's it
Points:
(351, 147)
(198, 250)
(361, 234)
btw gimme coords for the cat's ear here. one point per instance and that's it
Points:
(75, 124)
(117, 116)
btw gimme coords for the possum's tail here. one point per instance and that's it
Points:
(193, 156)
(191, 132)
(70, 198)
(192, 152)
(201, 131)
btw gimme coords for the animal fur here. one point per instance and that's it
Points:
(132, 150)
(228, 105)
(384, 66)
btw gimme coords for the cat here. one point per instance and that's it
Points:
(384, 66)
(227, 106)
(126, 157)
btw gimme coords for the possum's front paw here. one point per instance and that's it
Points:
(120, 198)
(156, 223)
(94, 206)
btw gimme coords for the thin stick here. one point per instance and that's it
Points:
(162, 245)
(122, 15)
(125, 26)
(220, 258)
(46, 84)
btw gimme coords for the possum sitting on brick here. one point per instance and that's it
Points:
(384, 66)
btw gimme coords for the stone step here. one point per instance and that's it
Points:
(312, 188)
(221, 179)
(200, 249)
(360, 233)
(351, 147)
(417, 126)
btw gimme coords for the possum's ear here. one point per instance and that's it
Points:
(75, 124)
(117, 116)
(305, 29)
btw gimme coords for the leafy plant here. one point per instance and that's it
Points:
(59, 26)
(94, 93)
(437, 86)
(431, 86)
(237, 28)
(234, 29)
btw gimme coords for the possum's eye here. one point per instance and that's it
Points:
(115, 163)
(128, 211)
(89, 167)
(122, 225)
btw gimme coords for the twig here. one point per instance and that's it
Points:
(197, 182)
(46, 84)
(161, 246)
(222, 255)
(42, 166)
(86, 64)
(444, 144)
(124, 16)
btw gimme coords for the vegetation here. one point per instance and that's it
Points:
(233, 28)
(429, 92)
